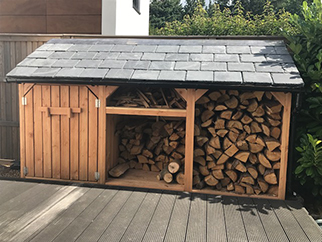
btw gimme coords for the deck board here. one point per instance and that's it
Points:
(271, 224)
(117, 228)
(291, 227)
(197, 223)
(76, 228)
(141, 220)
(58, 225)
(216, 227)
(43, 212)
(157, 228)
(253, 225)
(234, 221)
(310, 228)
(95, 230)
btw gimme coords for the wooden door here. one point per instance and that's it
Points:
(60, 129)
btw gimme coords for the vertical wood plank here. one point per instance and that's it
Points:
(285, 134)
(190, 122)
(29, 122)
(102, 136)
(92, 137)
(22, 132)
(38, 124)
(65, 135)
(46, 93)
(74, 134)
(83, 133)
(55, 129)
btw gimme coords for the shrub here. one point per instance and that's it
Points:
(227, 22)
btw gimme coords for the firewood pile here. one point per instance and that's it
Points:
(237, 145)
(147, 98)
(152, 146)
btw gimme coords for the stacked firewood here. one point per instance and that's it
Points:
(237, 145)
(147, 98)
(152, 146)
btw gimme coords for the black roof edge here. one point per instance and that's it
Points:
(160, 83)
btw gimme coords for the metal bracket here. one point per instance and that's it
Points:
(97, 176)
(23, 101)
(25, 171)
(97, 103)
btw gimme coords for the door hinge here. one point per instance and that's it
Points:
(97, 103)
(97, 175)
(25, 171)
(23, 101)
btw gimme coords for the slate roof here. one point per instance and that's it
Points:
(176, 62)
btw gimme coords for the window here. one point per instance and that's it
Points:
(136, 5)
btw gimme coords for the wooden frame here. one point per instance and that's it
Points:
(100, 148)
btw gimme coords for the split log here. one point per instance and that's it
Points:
(198, 152)
(234, 124)
(239, 189)
(214, 95)
(246, 119)
(225, 181)
(253, 105)
(200, 160)
(204, 170)
(142, 159)
(220, 108)
(255, 128)
(263, 160)
(262, 184)
(226, 143)
(242, 156)
(155, 168)
(233, 136)
(237, 165)
(272, 155)
(226, 114)
(237, 115)
(174, 166)
(271, 143)
(215, 142)
(266, 129)
(220, 124)
(261, 169)
(223, 158)
(242, 145)
(180, 178)
(273, 122)
(232, 175)
(231, 151)
(253, 158)
(207, 114)
(145, 167)
(230, 187)
(270, 177)
(222, 132)
(273, 190)
(247, 178)
(204, 99)
(275, 132)
(259, 112)
(211, 180)
(218, 174)
(207, 123)
(232, 103)
(255, 148)
(165, 175)
(252, 171)
(119, 170)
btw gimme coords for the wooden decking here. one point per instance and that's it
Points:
(48, 212)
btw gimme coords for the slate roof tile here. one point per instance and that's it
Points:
(199, 62)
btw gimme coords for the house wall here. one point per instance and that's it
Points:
(120, 18)
(51, 16)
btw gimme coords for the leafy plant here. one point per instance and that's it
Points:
(230, 22)
(309, 170)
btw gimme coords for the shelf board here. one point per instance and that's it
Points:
(147, 111)
(142, 179)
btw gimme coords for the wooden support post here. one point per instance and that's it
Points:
(22, 131)
(190, 122)
(103, 93)
(284, 144)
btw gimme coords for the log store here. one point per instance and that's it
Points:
(197, 115)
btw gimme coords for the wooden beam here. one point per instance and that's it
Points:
(60, 111)
(103, 94)
(182, 92)
(190, 122)
(94, 90)
(27, 87)
(284, 144)
(281, 97)
(22, 131)
(146, 111)
(200, 93)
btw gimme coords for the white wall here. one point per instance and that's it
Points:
(108, 17)
(120, 18)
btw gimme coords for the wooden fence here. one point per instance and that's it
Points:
(13, 49)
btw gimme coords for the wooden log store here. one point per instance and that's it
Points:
(195, 115)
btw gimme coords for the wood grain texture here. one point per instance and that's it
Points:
(29, 132)
(92, 137)
(83, 133)
(38, 120)
(65, 134)
(23, 24)
(56, 127)
(47, 133)
(74, 7)
(74, 135)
